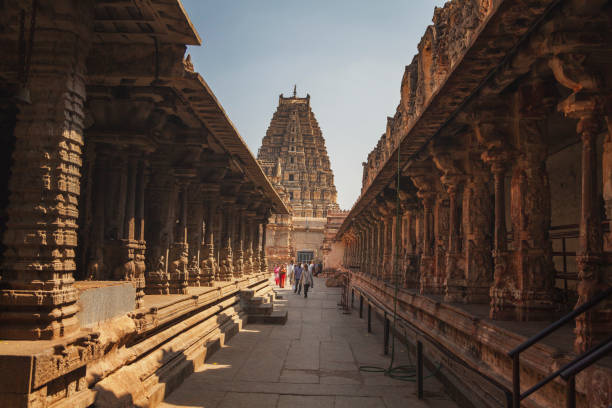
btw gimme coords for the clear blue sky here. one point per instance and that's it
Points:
(348, 55)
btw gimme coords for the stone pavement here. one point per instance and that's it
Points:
(312, 361)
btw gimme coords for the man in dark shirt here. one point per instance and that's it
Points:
(297, 274)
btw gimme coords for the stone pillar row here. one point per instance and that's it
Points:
(454, 241)
(121, 211)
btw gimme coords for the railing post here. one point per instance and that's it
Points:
(419, 370)
(369, 317)
(516, 381)
(571, 392)
(352, 297)
(386, 335)
(361, 306)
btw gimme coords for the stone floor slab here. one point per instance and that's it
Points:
(312, 361)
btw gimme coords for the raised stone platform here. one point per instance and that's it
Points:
(131, 359)
(476, 344)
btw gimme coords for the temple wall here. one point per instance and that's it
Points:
(332, 261)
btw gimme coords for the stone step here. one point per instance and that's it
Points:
(276, 317)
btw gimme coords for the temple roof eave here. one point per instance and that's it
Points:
(458, 88)
(210, 111)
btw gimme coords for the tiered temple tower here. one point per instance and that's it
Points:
(293, 155)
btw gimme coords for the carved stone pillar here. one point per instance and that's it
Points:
(37, 299)
(411, 263)
(441, 228)
(208, 263)
(455, 263)
(160, 202)
(427, 257)
(380, 248)
(178, 272)
(263, 266)
(502, 280)
(141, 182)
(256, 228)
(195, 228)
(239, 243)
(227, 257)
(96, 269)
(388, 255)
(477, 220)
(595, 325)
(249, 243)
(369, 236)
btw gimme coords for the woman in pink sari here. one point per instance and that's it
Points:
(276, 274)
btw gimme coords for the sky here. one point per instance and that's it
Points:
(348, 55)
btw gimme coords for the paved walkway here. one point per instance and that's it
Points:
(312, 361)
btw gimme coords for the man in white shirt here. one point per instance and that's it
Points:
(290, 272)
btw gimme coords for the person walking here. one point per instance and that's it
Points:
(276, 275)
(282, 275)
(290, 268)
(307, 280)
(297, 275)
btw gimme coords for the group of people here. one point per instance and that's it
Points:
(300, 275)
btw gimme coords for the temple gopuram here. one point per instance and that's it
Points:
(293, 155)
(485, 210)
(133, 215)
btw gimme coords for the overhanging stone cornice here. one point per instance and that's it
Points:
(507, 27)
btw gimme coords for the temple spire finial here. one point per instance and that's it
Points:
(294, 91)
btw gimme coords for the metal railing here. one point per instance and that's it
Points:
(567, 372)
(388, 332)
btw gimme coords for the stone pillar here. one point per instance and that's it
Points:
(593, 326)
(129, 220)
(441, 228)
(256, 228)
(502, 279)
(208, 263)
(411, 264)
(377, 258)
(477, 220)
(141, 243)
(388, 254)
(178, 273)
(160, 202)
(227, 257)
(38, 299)
(239, 242)
(195, 231)
(455, 263)
(95, 264)
(264, 260)
(427, 258)
(250, 242)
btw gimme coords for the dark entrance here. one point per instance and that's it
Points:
(305, 256)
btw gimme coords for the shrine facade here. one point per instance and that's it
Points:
(293, 155)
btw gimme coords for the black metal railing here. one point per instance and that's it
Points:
(567, 372)
(388, 332)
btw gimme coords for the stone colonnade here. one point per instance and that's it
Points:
(114, 182)
(460, 199)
